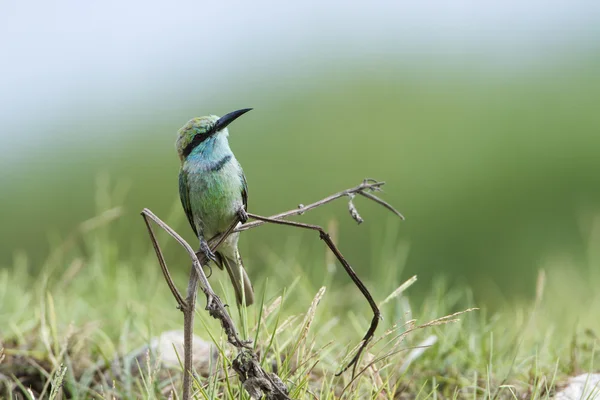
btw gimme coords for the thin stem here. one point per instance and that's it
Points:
(188, 334)
(365, 185)
(163, 264)
(363, 289)
(246, 363)
(214, 305)
(382, 202)
(147, 213)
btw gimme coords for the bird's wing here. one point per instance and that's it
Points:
(184, 195)
(244, 191)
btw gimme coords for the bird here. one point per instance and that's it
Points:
(214, 192)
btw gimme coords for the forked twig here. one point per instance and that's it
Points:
(366, 186)
(161, 260)
(327, 239)
(364, 189)
(254, 378)
(214, 305)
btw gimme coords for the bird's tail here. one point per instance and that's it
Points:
(240, 280)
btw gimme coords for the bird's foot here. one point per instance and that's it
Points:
(205, 248)
(242, 215)
(199, 254)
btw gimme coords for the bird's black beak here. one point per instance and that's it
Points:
(229, 118)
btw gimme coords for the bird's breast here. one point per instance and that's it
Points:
(215, 189)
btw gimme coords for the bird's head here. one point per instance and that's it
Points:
(198, 130)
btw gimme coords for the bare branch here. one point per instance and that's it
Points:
(255, 377)
(382, 202)
(188, 335)
(147, 213)
(363, 289)
(214, 305)
(367, 184)
(163, 264)
(255, 380)
(364, 189)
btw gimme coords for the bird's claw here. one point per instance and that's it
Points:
(242, 215)
(205, 248)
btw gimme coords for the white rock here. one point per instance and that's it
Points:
(581, 387)
(170, 344)
(165, 349)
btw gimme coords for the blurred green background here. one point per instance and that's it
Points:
(482, 119)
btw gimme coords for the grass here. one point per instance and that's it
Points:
(64, 332)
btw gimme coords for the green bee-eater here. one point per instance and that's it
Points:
(213, 191)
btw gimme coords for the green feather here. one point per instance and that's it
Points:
(244, 191)
(184, 195)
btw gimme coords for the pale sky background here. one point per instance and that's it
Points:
(80, 59)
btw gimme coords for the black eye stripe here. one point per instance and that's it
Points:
(199, 138)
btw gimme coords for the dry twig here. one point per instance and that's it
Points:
(255, 380)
